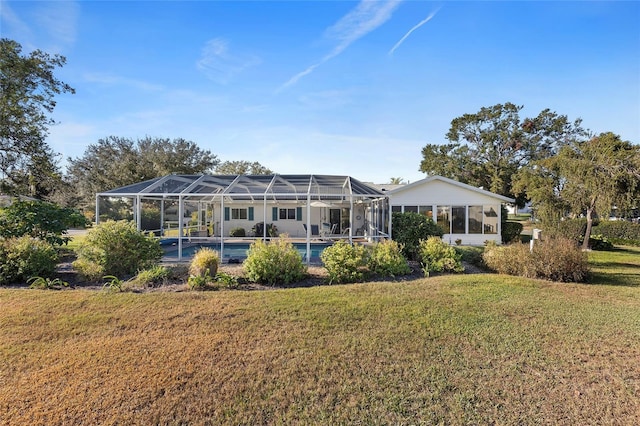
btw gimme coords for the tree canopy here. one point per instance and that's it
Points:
(28, 87)
(114, 162)
(487, 148)
(242, 168)
(584, 177)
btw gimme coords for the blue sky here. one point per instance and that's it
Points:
(328, 87)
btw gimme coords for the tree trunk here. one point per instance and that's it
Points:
(587, 233)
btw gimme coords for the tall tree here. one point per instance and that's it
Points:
(396, 181)
(28, 88)
(242, 168)
(584, 177)
(487, 148)
(114, 162)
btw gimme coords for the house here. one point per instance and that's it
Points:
(466, 213)
(210, 208)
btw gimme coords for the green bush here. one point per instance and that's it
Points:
(472, 255)
(274, 262)
(511, 231)
(438, 256)
(205, 262)
(557, 259)
(116, 248)
(408, 229)
(570, 229)
(345, 263)
(152, 277)
(25, 257)
(619, 231)
(386, 259)
(237, 232)
(39, 219)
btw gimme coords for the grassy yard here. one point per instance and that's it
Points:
(465, 349)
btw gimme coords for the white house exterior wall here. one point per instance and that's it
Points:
(441, 193)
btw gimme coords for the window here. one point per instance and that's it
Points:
(490, 219)
(443, 219)
(239, 214)
(396, 209)
(475, 219)
(426, 211)
(458, 219)
(288, 214)
(412, 209)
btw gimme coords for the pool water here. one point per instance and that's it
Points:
(238, 251)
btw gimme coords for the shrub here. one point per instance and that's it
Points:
(25, 257)
(151, 277)
(345, 263)
(472, 255)
(386, 259)
(39, 219)
(438, 256)
(619, 231)
(408, 229)
(274, 262)
(511, 231)
(237, 232)
(200, 282)
(116, 248)
(226, 280)
(205, 262)
(557, 259)
(571, 229)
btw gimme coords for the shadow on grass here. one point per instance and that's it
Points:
(621, 280)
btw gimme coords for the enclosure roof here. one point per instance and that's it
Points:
(248, 187)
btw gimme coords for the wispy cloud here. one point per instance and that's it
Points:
(364, 18)
(56, 27)
(115, 80)
(418, 25)
(60, 19)
(219, 64)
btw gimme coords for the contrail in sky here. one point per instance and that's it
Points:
(360, 21)
(418, 25)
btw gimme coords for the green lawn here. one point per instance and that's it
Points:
(463, 349)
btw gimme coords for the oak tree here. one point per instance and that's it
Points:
(28, 87)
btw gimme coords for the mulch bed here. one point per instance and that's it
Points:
(317, 275)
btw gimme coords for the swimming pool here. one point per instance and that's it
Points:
(238, 251)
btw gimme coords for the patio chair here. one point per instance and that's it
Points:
(315, 230)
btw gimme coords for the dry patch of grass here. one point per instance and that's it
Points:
(468, 349)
